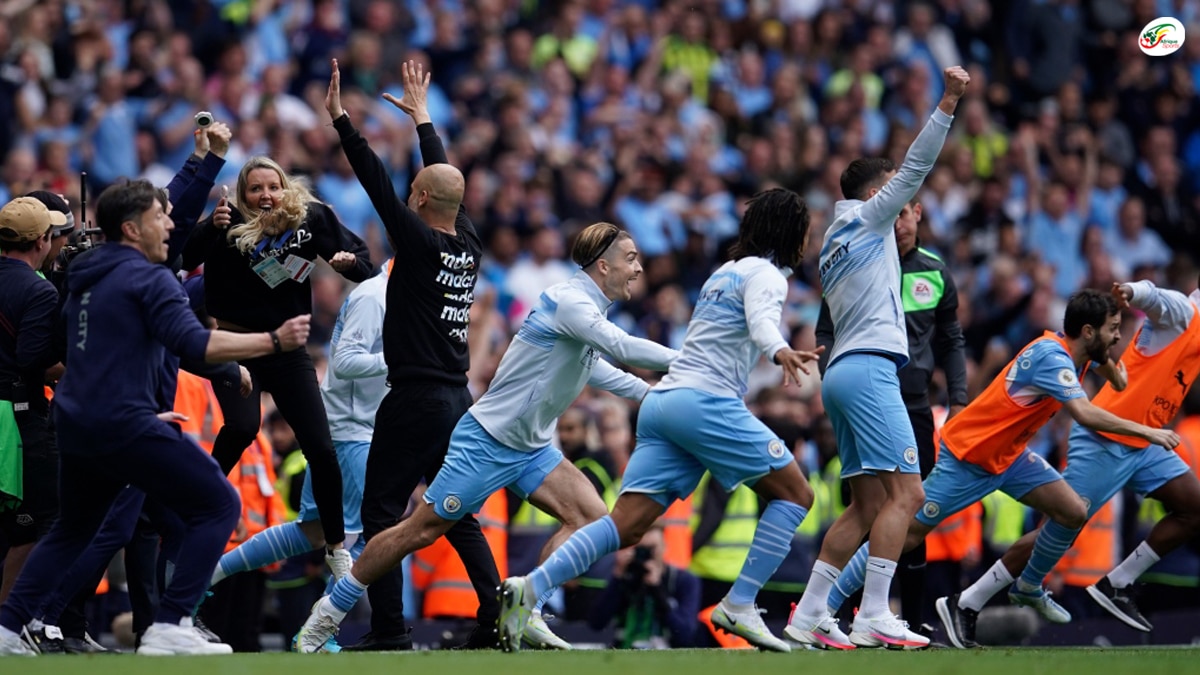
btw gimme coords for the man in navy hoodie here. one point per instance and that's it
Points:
(125, 311)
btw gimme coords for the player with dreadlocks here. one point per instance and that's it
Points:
(695, 420)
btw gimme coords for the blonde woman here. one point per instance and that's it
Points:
(258, 249)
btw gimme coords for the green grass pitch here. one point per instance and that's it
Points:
(995, 661)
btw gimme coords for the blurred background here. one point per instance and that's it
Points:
(1074, 160)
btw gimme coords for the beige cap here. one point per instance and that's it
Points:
(26, 219)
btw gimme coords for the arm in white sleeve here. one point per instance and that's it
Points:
(578, 318)
(879, 212)
(764, 296)
(354, 357)
(610, 378)
(1165, 308)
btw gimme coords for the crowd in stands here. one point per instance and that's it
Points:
(1075, 161)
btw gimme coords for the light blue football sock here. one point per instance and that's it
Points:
(851, 579)
(346, 592)
(271, 545)
(1052, 543)
(771, 544)
(589, 544)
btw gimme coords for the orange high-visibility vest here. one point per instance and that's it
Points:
(1189, 445)
(194, 398)
(1157, 384)
(440, 574)
(677, 533)
(961, 534)
(993, 430)
(254, 475)
(726, 640)
(956, 537)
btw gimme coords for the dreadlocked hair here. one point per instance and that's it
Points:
(775, 226)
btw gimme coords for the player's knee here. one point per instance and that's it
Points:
(912, 496)
(1073, 516)
(803, 496)
(590, 510)
(631, 534)
(427, 534)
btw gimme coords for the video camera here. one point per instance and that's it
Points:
(82, 239)
(635, 573)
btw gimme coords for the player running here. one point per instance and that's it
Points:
(1162, 360)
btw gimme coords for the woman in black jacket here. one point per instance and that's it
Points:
(258, 252)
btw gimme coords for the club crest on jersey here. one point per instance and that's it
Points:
(775, 448)
(910, 455)
(931, 510)
(451, 504)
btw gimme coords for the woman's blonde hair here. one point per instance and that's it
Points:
(291, 209)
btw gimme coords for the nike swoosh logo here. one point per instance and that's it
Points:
(823, 630)
(732, 621)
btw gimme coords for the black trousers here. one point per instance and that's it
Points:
(412, 435)
(235, 610)
(292, 381)
(910, 569)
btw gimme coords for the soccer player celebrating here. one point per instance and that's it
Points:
(984, 446)
(860, 276)
(695, 419)
(504, 439)
(1162, 360)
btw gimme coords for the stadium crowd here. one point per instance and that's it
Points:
(1074, 162)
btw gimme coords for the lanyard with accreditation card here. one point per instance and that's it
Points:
(273, 272)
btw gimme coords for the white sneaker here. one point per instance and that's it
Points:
(539, 636)
(169, 639)
(1041, 601)
(11, 644)
(321, 625)
(885, 631)
(747, 624)
(821, 632)
(516, 608)
(339, 562)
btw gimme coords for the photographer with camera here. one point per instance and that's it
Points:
(653, 604)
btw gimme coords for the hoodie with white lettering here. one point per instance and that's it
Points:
(122, 314)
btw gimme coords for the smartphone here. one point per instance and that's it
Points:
(225, 192)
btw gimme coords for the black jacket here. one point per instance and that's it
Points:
(432, 285)
(935, 338)
(234, 292)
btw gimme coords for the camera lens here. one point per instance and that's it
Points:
(204, 119)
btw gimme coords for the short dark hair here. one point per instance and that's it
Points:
(774, 226)
(1088, 307)
(864, 173)
(122, 201)
(22, 246)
